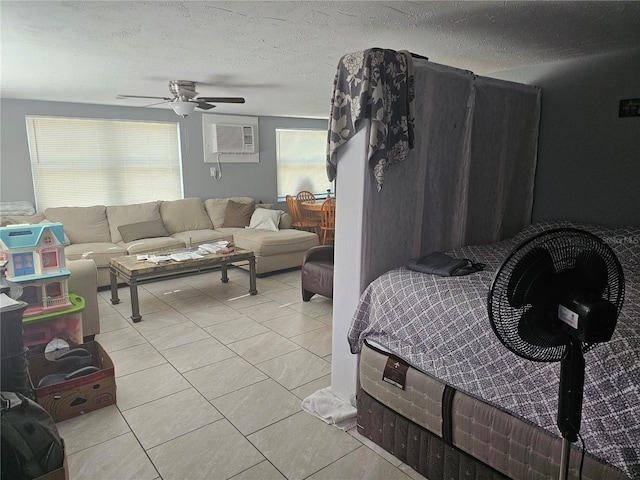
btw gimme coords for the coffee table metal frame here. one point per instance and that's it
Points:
(134, 272)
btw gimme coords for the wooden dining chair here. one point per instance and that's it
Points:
(328, 222)
(305, 196)
(309, 216)
(297, 220)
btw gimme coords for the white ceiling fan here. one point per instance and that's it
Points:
(185, 98)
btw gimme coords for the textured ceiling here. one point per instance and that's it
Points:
(280, 56)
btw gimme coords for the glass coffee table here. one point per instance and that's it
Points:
(130, 270)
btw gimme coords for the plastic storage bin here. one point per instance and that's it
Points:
(65, 324)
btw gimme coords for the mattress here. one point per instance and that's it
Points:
(443, 433)
(439, 326)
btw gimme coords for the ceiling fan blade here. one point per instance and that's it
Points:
(221, 99)
(157, 103)
(204, 105)
(120, 97)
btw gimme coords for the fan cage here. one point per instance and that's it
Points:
(564, 246)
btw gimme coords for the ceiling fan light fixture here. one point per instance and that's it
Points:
(183, 108)
(185, 98)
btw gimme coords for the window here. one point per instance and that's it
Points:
(301, 159)
(49, 259)
(84, 161)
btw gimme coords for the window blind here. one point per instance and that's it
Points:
(85, 161)
(301, 161)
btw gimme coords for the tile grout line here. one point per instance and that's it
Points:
(211, 335)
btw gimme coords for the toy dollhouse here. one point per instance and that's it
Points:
(35, 261)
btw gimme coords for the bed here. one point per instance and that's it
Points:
(470, 408)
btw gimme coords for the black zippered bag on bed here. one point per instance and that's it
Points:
(438, 263)
(31, 445)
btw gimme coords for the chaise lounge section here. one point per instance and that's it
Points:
(103, 232)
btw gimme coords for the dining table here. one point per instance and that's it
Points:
(314, 206)
(314, 209)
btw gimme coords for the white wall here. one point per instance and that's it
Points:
(375, 231)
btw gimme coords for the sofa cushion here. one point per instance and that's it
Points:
(146, 245)
(99, 252)
(265, 219)
(136, 231)
(286, 220)
(183, 215)
(82, 224)
(119, 215)
(217, 207)
(196, 237)
(238, 214)
(266, 243)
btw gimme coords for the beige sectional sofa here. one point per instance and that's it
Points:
(97, 232)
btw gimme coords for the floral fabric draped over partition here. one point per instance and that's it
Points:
(377, 84)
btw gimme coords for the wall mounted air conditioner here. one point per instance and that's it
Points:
(232, 139)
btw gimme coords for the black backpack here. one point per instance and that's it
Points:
(31, 445)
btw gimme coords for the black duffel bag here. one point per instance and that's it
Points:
(438, 263)
(31, 445)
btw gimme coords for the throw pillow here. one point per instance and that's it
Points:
(82, 224)
(217, 207)
(136, 231)
(238, 214)
(184, 215)
(266, 219)
(129, 214)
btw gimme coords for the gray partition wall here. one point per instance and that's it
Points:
(471, 157)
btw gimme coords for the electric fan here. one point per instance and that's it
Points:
(556, 296)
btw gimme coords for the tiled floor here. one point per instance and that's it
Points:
(210, 385)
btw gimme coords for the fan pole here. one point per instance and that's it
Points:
(570, 400)
(564, 459)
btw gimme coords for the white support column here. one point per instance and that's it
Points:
(375, 232)
(347, 274)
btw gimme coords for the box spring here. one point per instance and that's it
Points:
(445, 434)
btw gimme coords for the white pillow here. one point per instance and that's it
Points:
(265, 219)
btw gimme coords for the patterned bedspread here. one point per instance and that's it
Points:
(441, 326)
